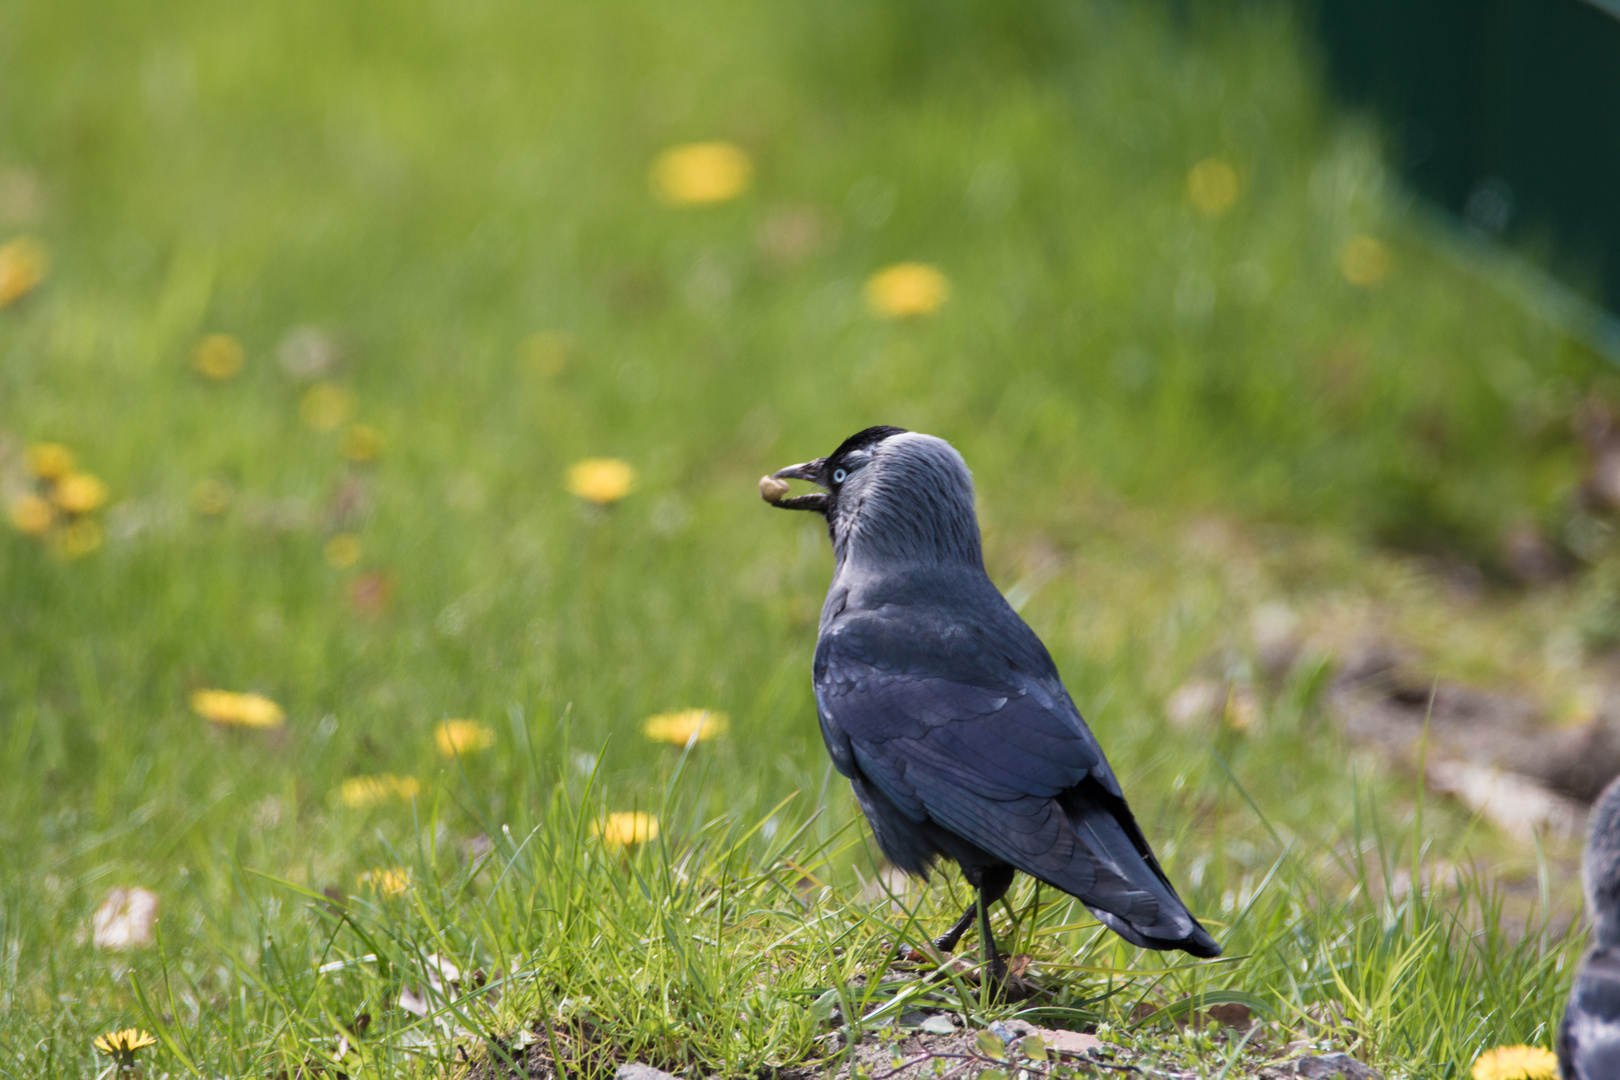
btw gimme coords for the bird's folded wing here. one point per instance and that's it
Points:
(1004, 762)
(977, 759)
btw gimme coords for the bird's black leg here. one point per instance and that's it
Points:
(991, 883)
(992, 958)
(947, 941)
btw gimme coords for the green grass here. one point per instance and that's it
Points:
(1174, 418)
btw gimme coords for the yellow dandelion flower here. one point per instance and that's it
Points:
(210, 497)
(545, 353)
(1213, 186)
(362, 442)
(78, 493)
(124, 1045)
(1364, 262)
(1516, 1063)
(343, 551)
(218, 356)
(81, 537)
(624, 828)
(460, 737)
(907, 289)
(687, 725)
(697, 173)
(600, 480)
(229, 709)
(391, 881)
(359, 792)
(22, 267)
(30, 514)
(325, 406)
(50, 460)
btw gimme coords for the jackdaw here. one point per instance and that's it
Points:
(946, 712)
(1589, 1037)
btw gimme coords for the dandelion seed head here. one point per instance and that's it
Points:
(124, 919)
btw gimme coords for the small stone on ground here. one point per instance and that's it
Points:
(634, 1070)
(1326, 1067)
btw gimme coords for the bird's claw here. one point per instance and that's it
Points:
(911, 954)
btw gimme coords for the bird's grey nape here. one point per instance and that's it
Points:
(912, 501)
(1601, 867)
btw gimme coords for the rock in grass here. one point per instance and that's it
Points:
(634, 1070)
(1326, 1067)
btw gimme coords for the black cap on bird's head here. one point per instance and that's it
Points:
(889, 493)
(829, 472)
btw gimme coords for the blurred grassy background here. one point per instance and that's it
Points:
(435, 218)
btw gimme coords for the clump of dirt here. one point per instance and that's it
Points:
(962, 1053)
(1384, 703)
(1497, 752)
(533, 1053)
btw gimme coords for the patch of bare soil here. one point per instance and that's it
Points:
(936, 1047)
(534, 1054)
(1496, 752)
(1015, 1048)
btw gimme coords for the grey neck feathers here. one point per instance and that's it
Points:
(916, 507)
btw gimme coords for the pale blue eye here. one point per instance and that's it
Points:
(838, 476)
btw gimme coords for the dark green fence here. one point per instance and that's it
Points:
(1505, 112)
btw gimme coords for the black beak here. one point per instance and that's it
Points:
(773, 487)
(810, 470)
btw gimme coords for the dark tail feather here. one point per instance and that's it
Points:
(1198, 943)
(1131, 895)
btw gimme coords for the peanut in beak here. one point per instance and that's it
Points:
(771, 489)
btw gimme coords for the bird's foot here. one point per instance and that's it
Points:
(1007, 977)
(928, 953)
